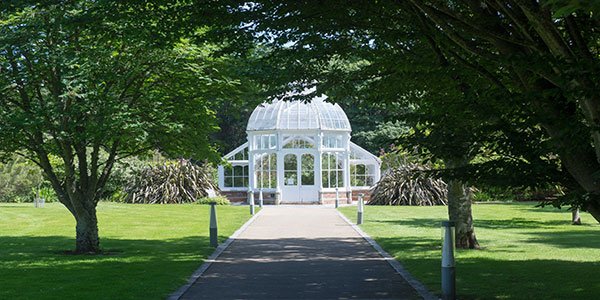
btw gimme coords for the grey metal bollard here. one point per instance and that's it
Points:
(337, 197)
(251, 201)
(448, 264)
(39, 202)
(260, 198)
(359, 217)
(213, 226)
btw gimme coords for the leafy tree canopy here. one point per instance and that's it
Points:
(83, 78)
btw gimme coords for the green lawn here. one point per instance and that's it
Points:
(527, 252)
(152, 250)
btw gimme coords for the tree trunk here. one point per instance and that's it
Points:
(459, 211)
(575, 217)
(87, 240)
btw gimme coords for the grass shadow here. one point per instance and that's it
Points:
(148, 269)
(506, 223)
(567, 239)
(498, 278)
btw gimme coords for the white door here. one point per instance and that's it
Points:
(299, 178)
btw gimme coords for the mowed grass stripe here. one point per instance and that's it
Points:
(151, 250)
(528, 252)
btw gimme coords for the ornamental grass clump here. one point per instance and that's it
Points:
(170, 183)
(409, 184)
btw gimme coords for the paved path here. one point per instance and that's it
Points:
(300, 252)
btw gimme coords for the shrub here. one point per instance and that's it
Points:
(19, 178)
(178, 181)
(408, 184)
(219, 200)
(48, 194)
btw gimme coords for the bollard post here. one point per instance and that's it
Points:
(337, 197)
(359, 217)
(251, 201)
(260, 198)
(213, 225)
(448, 265)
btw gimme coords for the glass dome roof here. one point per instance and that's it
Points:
(298, 115)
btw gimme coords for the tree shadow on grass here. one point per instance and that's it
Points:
(37, 267)
(507, 223)
(485, 278)
(567, 239)
(151, 269)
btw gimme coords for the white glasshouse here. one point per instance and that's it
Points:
(298, 152)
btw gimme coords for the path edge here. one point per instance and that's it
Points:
(209, 260)
(396, 265)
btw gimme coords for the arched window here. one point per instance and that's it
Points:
(266, 170)
(299, 143)
(332, 171)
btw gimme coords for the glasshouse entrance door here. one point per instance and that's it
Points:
(299, 178)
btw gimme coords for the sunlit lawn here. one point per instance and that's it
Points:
(151, 250)
(528, 252)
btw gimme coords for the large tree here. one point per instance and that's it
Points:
(544, 53)
(534, 65)
(90, 82)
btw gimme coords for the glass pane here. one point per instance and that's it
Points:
(361, 170)
(273, 180)
(273, 141)
(325, 177)
(298, 143)
(273, 161)
(290, 177)
(290, 163)
(264, 142)
(308, 162)
(228, 182)
(332, 179)
(359, 181)
(308, 166)
(340, 178)
(238, 171)
(238, 181)
(308, 177)
(228, 170)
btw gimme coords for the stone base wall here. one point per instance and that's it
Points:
(235, 197)
(366, 195)
(345, 197)
(324, 197)
(329, 198)
(242, 197)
